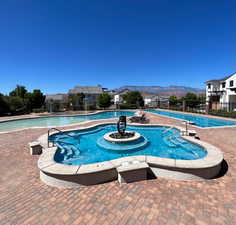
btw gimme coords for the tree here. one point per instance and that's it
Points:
(133, 98)
(104, 100)
(4, 106)
(191, 100)
(173, 100)
(34, 100)
(19, 91)
(16, 104)
(37, 99)
(76, 101)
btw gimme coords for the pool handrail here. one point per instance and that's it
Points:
(59, 131)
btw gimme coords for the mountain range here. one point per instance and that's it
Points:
(164, 91)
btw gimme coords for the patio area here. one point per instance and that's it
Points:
(24, 199)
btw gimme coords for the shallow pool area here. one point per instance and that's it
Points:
(52, 121)
(201, 121)
(89, 146)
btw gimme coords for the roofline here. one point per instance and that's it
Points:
(222, 79)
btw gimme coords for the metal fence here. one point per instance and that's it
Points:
(229, 107)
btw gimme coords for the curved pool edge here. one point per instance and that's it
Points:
(61, 126)
(74, 176)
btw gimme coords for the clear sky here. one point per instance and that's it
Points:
(57, 44)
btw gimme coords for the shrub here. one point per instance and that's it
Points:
(38, 110)
(223, 113)
(128, 106)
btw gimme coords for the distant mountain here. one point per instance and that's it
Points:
(165, 91)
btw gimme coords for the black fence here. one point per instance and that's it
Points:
(229, 107)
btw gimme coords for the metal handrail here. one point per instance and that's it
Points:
(167, 129)
(60, 131)
(63, 142)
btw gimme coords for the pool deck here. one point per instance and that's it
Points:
(24, 199)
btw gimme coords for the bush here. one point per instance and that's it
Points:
(128, 106)
(38, 110)
(91, 107)
(223, 113)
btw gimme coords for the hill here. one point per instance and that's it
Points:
(164, 91)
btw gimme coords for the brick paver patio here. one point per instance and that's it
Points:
(24, 199)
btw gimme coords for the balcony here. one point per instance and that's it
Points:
(216, 91)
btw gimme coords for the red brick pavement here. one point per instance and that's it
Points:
(24, 199)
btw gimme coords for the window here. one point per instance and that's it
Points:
(209, 86)
(223, 85)
(231, 83)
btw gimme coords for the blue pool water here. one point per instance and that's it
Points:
(58, 120)
(84, 147)
(201, 121)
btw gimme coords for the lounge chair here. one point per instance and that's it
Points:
(139, 117)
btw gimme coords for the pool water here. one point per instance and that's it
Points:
(84, 147)
(59, 120)
(201, 121)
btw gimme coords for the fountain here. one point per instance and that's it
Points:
(122, 140)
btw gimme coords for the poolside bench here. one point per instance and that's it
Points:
(132, 171)
(35, 148)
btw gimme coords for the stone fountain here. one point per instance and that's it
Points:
(122, 140)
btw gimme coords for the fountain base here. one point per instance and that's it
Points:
(115, 137)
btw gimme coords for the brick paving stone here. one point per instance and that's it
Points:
(24, 199)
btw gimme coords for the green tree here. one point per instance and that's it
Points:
(16, 104)
(133, 98)
(4, 106)
(173, 100)
(104, 100)
(19, 91)
(191, 100)
(34, 100)
(37, 99)
(76, 101)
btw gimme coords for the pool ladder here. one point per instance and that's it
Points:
(59, 131)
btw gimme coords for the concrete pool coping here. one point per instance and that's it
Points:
(136, 136)
(58, 174)
(66, 125)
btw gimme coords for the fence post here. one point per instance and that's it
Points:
(184, 105)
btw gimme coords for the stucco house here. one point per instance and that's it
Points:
(151, 100)
(56, 102)
(221, 93)
(118, 96)
(91, 92)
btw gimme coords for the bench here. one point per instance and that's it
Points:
(132, 171)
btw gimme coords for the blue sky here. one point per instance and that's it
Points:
(55, 45)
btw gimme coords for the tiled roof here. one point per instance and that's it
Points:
(56, 97)
(87, 90)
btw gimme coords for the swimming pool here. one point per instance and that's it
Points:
(59, 120)
(201, 121)
(85, 146)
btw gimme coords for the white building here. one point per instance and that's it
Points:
(151, 100)
(118, 96)
(221, 93)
